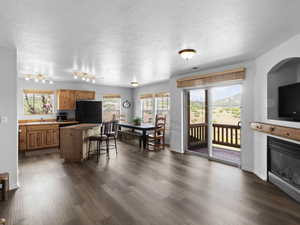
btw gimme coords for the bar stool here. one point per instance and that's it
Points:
(99, 139)
(4, 181)
(111, 130)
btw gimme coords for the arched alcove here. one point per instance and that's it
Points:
(283, 73)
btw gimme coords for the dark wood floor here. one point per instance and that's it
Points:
(144, 188)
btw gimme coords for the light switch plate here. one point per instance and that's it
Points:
(3, 119)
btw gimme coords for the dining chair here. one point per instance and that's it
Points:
(122, 118)
(157, 138)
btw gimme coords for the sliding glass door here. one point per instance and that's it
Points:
(214, 127)
(226, 123)
(197, 121)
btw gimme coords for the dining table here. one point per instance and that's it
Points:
(142, 127)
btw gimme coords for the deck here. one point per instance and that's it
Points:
(226, 141)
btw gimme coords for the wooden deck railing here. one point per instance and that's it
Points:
(197, 135)
(223, 134)
(228, 135)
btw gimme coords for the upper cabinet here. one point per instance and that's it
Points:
(84, 95)
(66, 99)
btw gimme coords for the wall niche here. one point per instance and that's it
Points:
(283, 73)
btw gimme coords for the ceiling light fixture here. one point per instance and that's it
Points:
(134, 83)
(84, 76)
(187, 53)
(37, 78)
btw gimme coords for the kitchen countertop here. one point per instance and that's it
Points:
(48, 123)
(82, 126)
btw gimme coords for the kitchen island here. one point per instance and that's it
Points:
(74, 141)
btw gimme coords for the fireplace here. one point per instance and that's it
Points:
(284, 166)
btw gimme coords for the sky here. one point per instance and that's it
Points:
(217, 93)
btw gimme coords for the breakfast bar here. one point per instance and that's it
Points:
(74, 141)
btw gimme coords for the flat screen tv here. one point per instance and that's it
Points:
(88, 111)
(289, 101)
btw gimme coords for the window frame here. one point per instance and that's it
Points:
(112, 96)
(163, 95)
(39, 92)
(142, 99)
(154, 98)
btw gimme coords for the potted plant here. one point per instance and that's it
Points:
(137, 121)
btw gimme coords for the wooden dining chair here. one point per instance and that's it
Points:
(122, 118)
(156, 140)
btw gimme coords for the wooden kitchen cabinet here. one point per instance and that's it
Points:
(84, 95)
(66, 99)
(22, 138)
(42, 136)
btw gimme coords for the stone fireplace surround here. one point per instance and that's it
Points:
(284, 166)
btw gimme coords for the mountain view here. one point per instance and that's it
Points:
(226, 110)
(234, 100)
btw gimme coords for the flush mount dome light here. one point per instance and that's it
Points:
(187, 53)
(134, 83)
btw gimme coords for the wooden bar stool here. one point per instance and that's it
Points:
(2, 221)
(4, 181)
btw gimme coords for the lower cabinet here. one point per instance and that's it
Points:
(42, 136)
(22, 138)
(51, 137)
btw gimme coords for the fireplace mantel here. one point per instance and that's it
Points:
(276, 130)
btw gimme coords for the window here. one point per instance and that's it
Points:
(38, 102)
(147, 108)
(162, 105)
(152, 105)
(226, 104)
(197, 106)
(111, 107)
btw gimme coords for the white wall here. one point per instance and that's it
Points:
(8, 108)
(264, 64)
(179, 122)
(126, 94)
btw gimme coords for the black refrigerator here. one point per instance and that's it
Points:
(88, 111)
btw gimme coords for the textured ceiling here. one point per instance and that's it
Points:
(119, 40)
